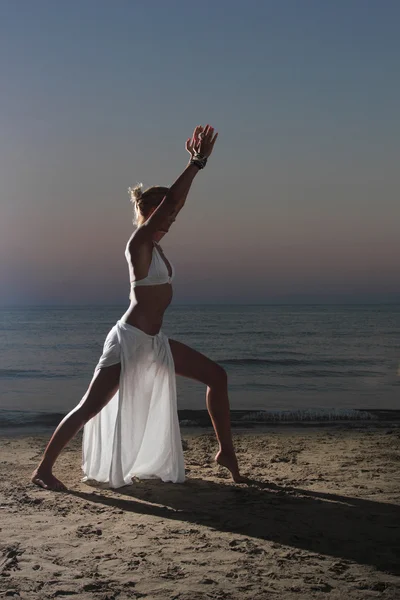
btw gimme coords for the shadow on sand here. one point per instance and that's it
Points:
(363, 531)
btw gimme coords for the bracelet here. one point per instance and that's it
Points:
(199, 161)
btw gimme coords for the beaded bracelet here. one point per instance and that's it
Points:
(199, 161)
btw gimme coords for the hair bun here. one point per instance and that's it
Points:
(136, 192)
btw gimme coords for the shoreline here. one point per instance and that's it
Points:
(24, 423)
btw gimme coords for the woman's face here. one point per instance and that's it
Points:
(168, 221)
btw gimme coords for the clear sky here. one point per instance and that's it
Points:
(300, 199)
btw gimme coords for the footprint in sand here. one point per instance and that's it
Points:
(9, 556)
(88, 531)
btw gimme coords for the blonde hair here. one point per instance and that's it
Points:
(143, 201)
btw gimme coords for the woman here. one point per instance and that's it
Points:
(129, 411)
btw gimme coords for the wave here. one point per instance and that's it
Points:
(33, 374)
(331, 373)
(252, 418)
(22, 418)
(339, 362)
(41, 420)
(318, 414)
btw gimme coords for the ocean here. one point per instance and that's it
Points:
(284, 359)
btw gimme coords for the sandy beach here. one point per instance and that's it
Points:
(320, 518)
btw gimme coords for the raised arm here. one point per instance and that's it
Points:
(200, 147)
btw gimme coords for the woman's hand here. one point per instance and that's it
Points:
(202, 141)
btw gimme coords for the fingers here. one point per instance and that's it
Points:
(195, 136)
(196, 132)
(209, 132)
(190, 144)
(205, 131)
(203, 139)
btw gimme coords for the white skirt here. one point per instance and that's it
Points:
(137, 433)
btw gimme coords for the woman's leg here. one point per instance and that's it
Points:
(191, 363)
(102, 388)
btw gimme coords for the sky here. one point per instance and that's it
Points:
(299, 201)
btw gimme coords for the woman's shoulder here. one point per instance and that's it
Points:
(139, 244)
(139, 255)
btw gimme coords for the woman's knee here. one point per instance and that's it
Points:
(219, 377)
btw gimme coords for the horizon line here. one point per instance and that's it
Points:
(91, 305)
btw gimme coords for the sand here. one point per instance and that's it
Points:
(319, 519)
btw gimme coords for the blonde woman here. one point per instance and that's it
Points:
(129, 412)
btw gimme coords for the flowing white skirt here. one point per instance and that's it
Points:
(137, 433)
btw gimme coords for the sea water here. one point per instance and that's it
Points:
(278, 358)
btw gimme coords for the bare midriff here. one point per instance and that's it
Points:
(148, 305)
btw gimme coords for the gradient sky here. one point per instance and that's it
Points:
(300, 200)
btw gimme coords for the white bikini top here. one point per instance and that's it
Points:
(158, 271)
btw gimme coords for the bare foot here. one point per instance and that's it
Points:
(46, 480)
(229, 460)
